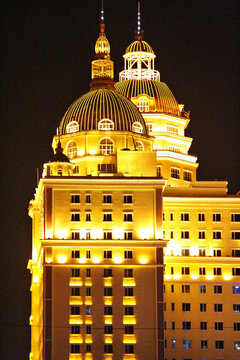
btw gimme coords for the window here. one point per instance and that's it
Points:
(185, 288)
(105, 124)
(75, 272)
(88, 291)
(128, 235)
(75, 254)
(128, 217)
(88, 235)
(128, 254)
(107, 235)
(235, 252)
(128, 273)
(129, 310)
(72, 127)
(175, 148)
(218, 307)
(174, 344)
(75, 199)
(75, 291)
(216, 217)
(137, 127)
(88, 216)
(236, 289)
(139, 146)
(184, 216)
(159, 171)
(217, 271)
(204, 344)
(217, 235)
(172, 306)
(185, 252)
(108, 291)
(186, 325)
(107, 199)
(129, 329)
(218, 326)
(88, 348)
(75, 235)
(235, 271)
(88, 329)
(88, 254)
(88, 198)
(108, 329)
(76, 169)
(201, 235)
(175, 173)
(187, 175)
(128, 291)
(127, 199)
(202, 252)
(235, 217)
(129, 349)
(172, 270)
(107, 254)
(203, 307)
(107, 272)
(106, 168)
(75, 310)
(72, 149)
(185, 234)
(107, 216)
(201, 216)
(185, 270)
(173, 325)
(186, 307)
(60, 172)
(75, 329)
(172, 236)
(202, 270)
(75, 216)
(203, 325)
(172, 288)
(106, 146)
(237, 345)
(75, 349)
(235, 235)
(187, 344)
(108, 349)
(217, 252)
(202, 289)
(217, 289)
(172, 129)
(108, 310)
(88, 310)
(143, 104)
(236, 307)
(219, 344)
(88, 272)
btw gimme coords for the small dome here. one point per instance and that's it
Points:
(102, 45)
(139, 46)
(59, 156)
(96, 105)
(165, 102)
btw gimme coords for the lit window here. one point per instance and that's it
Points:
(137, 127)
(139, 146)
(72, 127)
(106, 146)
(175, 148)
(143, 104)
(219, 344)
(237, 345)
(105, 124)
(149, 127)
(218, 326)
(187, 175)
(235, 235)
(187, 344)
(72, 149)
(236, 308)
(175, 173)
(172, 129)
(174, 343)
(236, 289)
(75, 199)
(235, 217)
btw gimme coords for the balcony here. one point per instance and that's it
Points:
(127, 281)
(108, 300)
(88, 339)
(75, 281)
(88, 300)
(75, 319)
(75, 339)
(107, 281)
(129, 300)
(129, 339)
(88, 281)
(108, 338)
(88, 319)
(75, 300)
(129, 319)
(108, 319)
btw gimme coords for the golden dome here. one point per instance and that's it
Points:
(139, 46)
(102, 45)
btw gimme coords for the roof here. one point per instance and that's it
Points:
(139, 45)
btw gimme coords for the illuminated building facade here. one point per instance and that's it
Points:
(104, 214)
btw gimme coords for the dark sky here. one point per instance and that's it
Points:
(47, 47)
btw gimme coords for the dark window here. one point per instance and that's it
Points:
(75, 349)
(75, 199)
(217, 235)
(235, 217)
(172, 288)
(75, 254)
(128, 273)
(88, 310)
(202, 252)
(88, 198)
(203, 307)
(88, 216)
(128, 291)
(185, 270)
(107, 272)
(106, 168)
(88, 348)
(108, 310)
(128, 235)
(217, 289)
(235, 252)
(184, 216)
(185, 234)
(108, 329)
(75, 216)
(201, 235)
(173, 325)
(219, 344)
(235, 271)
(216, 217)
(202, 289)
(186, 325)
(185, 252)
(107, 199)
(175, 173)
(171, 216)
(218, 307)
(88, 254)
(128, 217)
(88, 291)
(201, 217)
(173, 306)
(217, 252)
(75, 235)
(129, 349)
(128, 254)
(75, 272)
(129, 310)
(202, 271)
(218, 326)
(75, 291)
(127, 199)
(129, 329)
(107, 254)
(108, 291)
(107, 216)
(217, 271)
(88, 272)
(107, 235)
(172, 270)
(236, 307)
(186, 307)
(75, 329)
(75, 310)
(203, 325)
(236, 326)
(204, 344)
(88, 329)
(185, 288)
(108, 349)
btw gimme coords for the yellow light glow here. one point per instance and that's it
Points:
(96, 260)
(48, 260)
(194, 251)
(194, 276)
(118, 234)
(82, 234)
(96, 234)
(108, 319)
(143, 260)
(49, 234)
(81, 152)
(118, 259)
(108, 339)
(144, 234)
(227, 277)
(168, 251)
(82, 260)
(35, 279)
(209, 276)
(92, 151)
(177, 251)
(177, 276)
(62, 259)
(75, 339)
(210, 252)
(62, 233)
(167, 276)
(129, 339)
(159, 235)
(129, 319)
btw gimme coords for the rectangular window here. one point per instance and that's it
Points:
(107, 254)
(75, 349)
(76, 169)
(171, 216)
(149, 127)
(88, 272)
(172, 288)
(75, 310)
(108, 349)
(75, 216)
(201, 216)
(106, 168)
(185, 252)
(218, 307)
(185, 234)
(88, 199)
(159, 171)
(108, 291)
(175, 173)
(219, 344)
(107, 216)
(88, 291)
(186, 270)
(203, 307)
(88, 254)
(75, 199)
(107, 199)
(187, 175)
(75, 254)
(88, 216)
(236, 308)
(128, 217)
(217, 289)
(236, 326)
(235, 217)
(173, 325)
(172, 270)
(75, 329)
(236, 289)
(235, 235)
(128, 273)
(235, 252)
(202, 252)
(128, 235)
(75, 235)
(107, 235)
(186, 307)
(88, 329)
(129, 310)
(185, 288)
(129, 349)
(88, 348)
(128, 291)
(203, 325)
(75, 272)
(75, 291)
(127, 199)
(237, 345)
(107, 272)
(172, 306)
(128, 254)
(217, 252)
(172, 129)
(217, 235)
(128, 329)
(216, 217)
(173, 345)
(204, 344)
(108, 329)
(184, 216)
(171, 234)
(201, 235)
(202, 289)
(202, 270)
(88, 310)
(218, 326)
(108, 310)
(235, 271)
(187, 344)
(217, 271)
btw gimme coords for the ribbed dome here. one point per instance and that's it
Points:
(100, 104)
(139, 45)
(102, 45)
(165, 102)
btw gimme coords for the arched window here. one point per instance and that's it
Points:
(139, 146)
(72, 127)
(60, 172)
(106, 146)
(72, 149)
(105, 124)
(143, 104)
(137, 127)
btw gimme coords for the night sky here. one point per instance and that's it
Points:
(47, 48)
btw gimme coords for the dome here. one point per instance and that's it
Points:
(102, 45)
(139, 45)
(101, 104)
(165, 102)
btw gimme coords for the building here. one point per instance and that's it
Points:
(104, 214)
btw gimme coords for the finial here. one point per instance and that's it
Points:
(59, 148)
(102, 24)
(139, 32)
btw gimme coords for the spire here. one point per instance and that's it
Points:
(102, 23)
(139, 31)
